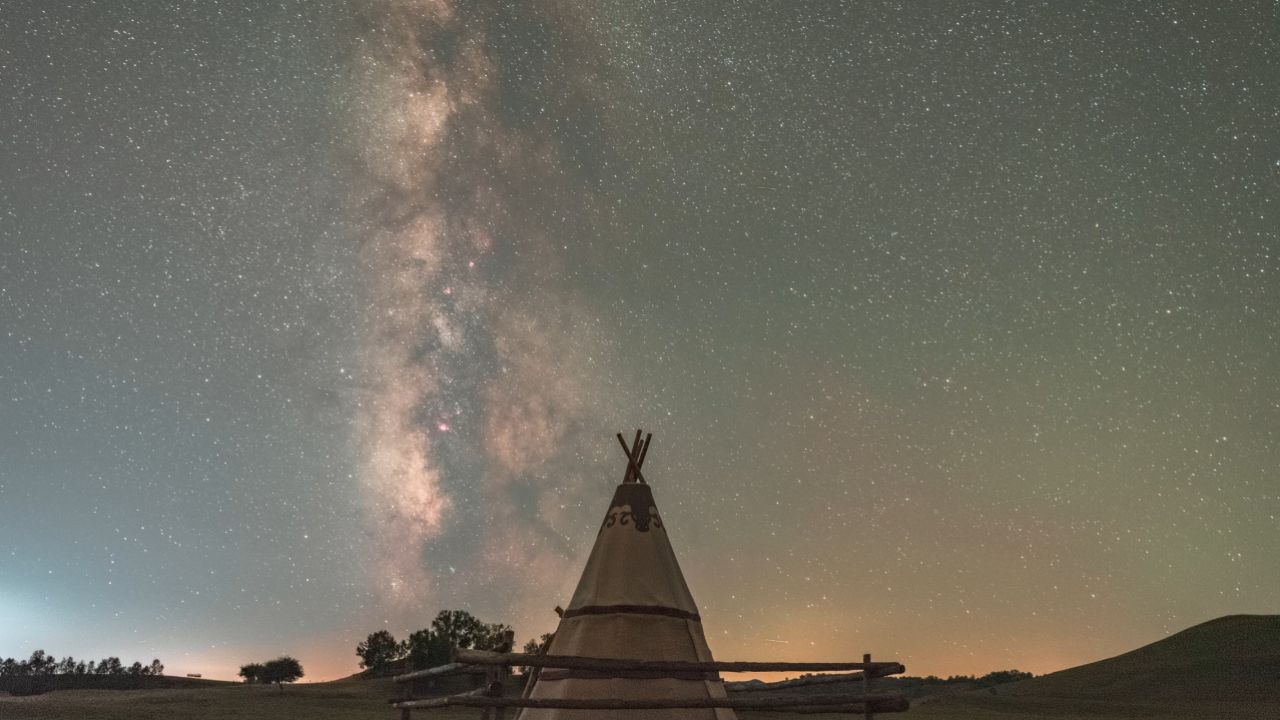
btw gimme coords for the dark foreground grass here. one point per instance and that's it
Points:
(978, 707)
(366, 699)
(1226, 669)
(342, 700)
(981, 706)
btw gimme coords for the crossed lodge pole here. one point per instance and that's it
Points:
(636, 453)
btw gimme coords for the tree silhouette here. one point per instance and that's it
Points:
(281, 670)
(429, 647)
(426, 649)
(495, 638)
(41, 664)
(378, 650)
(252, 672)
(535, 647)
(459, 628)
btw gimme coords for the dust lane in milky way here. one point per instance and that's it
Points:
(479, 357)
(956, 327)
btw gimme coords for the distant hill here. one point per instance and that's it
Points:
(1233, 658)
(907, 686)
(1225, 668)
(39, 684)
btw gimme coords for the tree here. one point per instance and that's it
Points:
(135, 669)
(156, 668)
(459, 628)
(495, 638)
(426, 649)
(378, 650)
(281, 670)
(539, 647)
(535, 647)
(41, 664)
(1000, 677)
(252, 672)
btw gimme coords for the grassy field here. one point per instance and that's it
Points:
(342, 700)
(978, 706)
(361, 700)
(1226, 669)
(981, 706)
(366, 699)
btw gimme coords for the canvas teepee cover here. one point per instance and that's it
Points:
(632, 602)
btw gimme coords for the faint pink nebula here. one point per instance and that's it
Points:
(428, 133)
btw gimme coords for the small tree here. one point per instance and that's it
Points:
(42, 664)
(281, 670)
(1001, 677)
(252, 672)
(426, 649)
(535, 647)
(459, 628)
(378, 650)
(495, 638)
(156, 668)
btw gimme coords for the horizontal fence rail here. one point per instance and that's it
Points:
(749, 686)
(439, 671)
(573, 662)
(493, 665)
(848, 703)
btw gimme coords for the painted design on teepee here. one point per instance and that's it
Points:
(640, 512)
(631, 602)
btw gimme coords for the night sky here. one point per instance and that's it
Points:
(957, 325)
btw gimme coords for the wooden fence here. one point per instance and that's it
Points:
(488, 696)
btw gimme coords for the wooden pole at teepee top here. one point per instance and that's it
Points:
(635, 456)
(644, 451)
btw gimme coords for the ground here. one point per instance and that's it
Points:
(366, 699)
(342, 700)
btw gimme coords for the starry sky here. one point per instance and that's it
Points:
(956, 324)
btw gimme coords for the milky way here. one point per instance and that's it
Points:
(478, 359)
(956, 324)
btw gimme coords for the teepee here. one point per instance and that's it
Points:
(632, 603)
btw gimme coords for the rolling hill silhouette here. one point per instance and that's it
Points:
(1232, 658)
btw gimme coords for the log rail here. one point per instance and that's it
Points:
(489, 698)
(856, 703)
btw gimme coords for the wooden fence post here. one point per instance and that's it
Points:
(494, 678)
(866, 687)
(495, 669)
